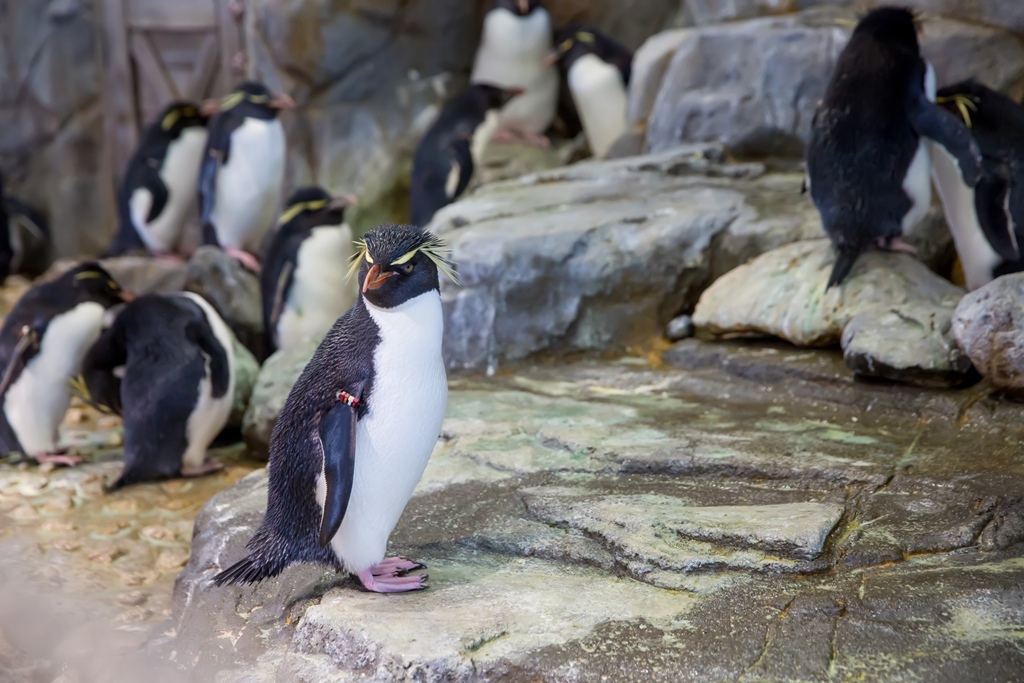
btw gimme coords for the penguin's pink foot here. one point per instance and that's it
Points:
(169, 256)
(201, 470)
(394, 566)
(391, 584)
(510, 135)
(245, 258)
(896, 244)
(58, 458)
(537, 140)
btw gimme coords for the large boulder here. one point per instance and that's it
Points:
(274, 381)
(891, 315)
(754, 85)
(989, 326)
(601, 255)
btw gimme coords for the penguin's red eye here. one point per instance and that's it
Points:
(407, 268)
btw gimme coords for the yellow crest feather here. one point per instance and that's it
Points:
(965, 104)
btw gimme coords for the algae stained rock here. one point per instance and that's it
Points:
(989, 326)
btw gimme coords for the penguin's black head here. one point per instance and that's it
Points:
(178, 116)
(577, 40)
(890, 25)
(397, 263)
(312, 206)
(519, 7)
(494, 96)
(91, 282)
(251, 99)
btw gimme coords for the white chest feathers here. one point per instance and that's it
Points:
(211, 413)
(37, 400)
(179, 173)
(395, 438)
(600, 96)
(249, 184)
(320, 292)
(510, 54)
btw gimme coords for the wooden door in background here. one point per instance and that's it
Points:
(157, 51)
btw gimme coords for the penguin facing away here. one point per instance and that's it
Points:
(597, 70)
(987, 221)
(516, 37)
(358, 427)
(159, 186)
(447, 155)
(242, 171)
(867, 162)
(304, 286)
(42, 343)
(174, 388)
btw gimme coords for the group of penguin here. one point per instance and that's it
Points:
(514, 93)
(883, 132)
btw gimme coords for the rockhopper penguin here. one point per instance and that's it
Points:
(597, 70)
(516, 38)
(159, 186)
(987, 221)
(448, 153)
(42, 343)
(242, 171)
(167, 366)
(867, 162)
(359, 425)
(303, 282)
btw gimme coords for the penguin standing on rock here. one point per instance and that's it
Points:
(167, 366)
(987, 221)
(42, 343)
(357, 430)
(302, 281)
(867, 162)
(597, 70)
(159, 187)
(447, 154)
(516, 39)
(242, 171)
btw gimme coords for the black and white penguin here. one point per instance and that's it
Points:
(597, 70)
(167, 366)
(242, 172)
(867, 162)
(42, 343)
(303, 281)
(357, 430)
(455, 143)
(516, 38)
(987, 221)
(159, 186)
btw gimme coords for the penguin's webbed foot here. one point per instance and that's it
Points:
(206, 468)
(896, 244)
(58, 458)
(245, 258)
(395, 566)
(510, 135)
(393, 579)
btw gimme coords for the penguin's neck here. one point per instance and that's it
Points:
(417, 323)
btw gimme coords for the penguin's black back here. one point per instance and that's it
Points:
(862, 141)
(290, 529)
(154, 337)
(6, 251)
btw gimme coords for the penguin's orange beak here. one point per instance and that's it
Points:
(342, 201)
(551, 58)
(209, 107)
(282, 101)
(375, 278)
(127, 296)
(524, 6)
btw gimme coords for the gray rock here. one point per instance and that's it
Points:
(680, 328)
(600, 255)
(989, 327)
(909, 344)
(246, 370)
(233, 291)
(754, 85)
(273, 383)
(782, 294)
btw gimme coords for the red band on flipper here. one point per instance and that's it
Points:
(348, 399)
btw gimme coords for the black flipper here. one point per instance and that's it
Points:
(218, 148)
(990, 205)
(102, 388)
(155, 184)
(28, 346)
(935, 123)
(463, 157)
(220, 371)
(337, 435)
